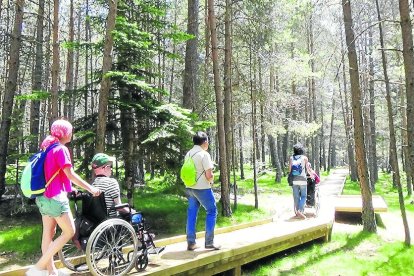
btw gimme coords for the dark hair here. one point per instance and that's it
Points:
(298, 149)
(199, 138)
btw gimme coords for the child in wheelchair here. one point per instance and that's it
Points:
(96, 212)
(91, 213)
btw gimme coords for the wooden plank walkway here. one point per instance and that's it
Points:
(239, 247)
(353, 203)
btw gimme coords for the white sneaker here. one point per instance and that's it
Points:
(34, 271)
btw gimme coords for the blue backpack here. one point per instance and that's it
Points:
(33, 182)
(296, 165)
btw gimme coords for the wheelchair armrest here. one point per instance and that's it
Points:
(120, 206)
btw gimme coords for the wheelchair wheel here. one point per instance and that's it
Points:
(142, 260)
(72, 257)
(109, 248)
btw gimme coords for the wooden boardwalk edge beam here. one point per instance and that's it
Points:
(233, 259)
(162, 242)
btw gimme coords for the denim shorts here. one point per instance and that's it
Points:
(51, 207)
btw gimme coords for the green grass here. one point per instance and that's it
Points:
(265, 182)
(20, 240)
(347, 254)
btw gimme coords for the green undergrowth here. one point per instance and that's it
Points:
(347, 254)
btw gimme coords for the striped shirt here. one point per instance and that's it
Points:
(110, 187)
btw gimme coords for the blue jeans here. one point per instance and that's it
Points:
(299, 197)
(204, 198)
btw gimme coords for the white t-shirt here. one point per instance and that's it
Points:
(202, 162)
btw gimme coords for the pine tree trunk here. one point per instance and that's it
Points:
(254, 138)
(227, 84)
(393, 143)
(69, 68)
(331, 134)
(241, 151)
(373, 138)
(10, 90)
(368, 215)
(106, 81)
(127, 134)
(191, 56)
(225, 191)
(37, 79)
(408, 55)
(76, 73)
(272, 149)
(55, 63)
(314, 109)
(87, 54)
(348, 119)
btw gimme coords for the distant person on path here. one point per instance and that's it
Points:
(201, 194)
(313, 179)
(102, 167)
(298, 166)
(54, 204)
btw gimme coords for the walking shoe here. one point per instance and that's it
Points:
(34, 271)
(213, 246)
(192, 247)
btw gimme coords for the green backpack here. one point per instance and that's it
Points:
(188, 171)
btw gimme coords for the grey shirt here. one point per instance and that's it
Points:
(202, 162)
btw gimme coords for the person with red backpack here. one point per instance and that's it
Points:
(298, 166)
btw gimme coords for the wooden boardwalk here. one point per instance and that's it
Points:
(239, 247)
(241, 244)
(353, 204)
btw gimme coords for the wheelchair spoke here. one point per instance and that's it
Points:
(110, 248)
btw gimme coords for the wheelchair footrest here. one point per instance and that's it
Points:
(156, 250)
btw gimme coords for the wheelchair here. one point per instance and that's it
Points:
(312, 197)
(105, 245)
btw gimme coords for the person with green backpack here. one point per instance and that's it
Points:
(197, 175)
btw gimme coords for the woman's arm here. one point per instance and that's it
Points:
(76, 179)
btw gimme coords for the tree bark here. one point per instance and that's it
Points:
(10, 90)
(55, 63)
(254, 136)
(227, 84)
(407, 37)
(69, 68)
(241, 151)
(331, 145)
(37, 79)
(314, 108)
(106, 80)
(191, 55)
(348, 119)
(373, 130)
(225, 191)
(368, 215)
